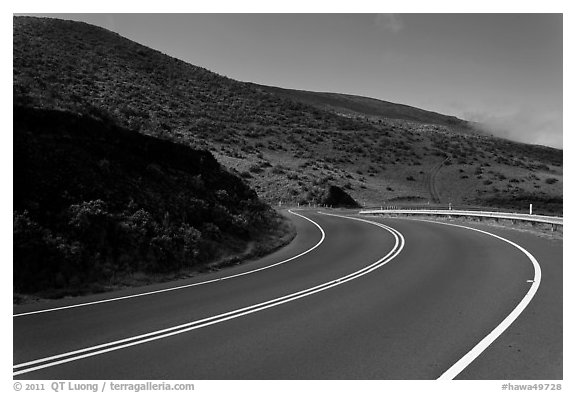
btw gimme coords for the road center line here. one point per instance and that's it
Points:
(184, 286)
(55, 360)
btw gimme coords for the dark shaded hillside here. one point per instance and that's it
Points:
(288, 147)
(94, 202)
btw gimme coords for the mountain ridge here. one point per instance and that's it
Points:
(355, 104)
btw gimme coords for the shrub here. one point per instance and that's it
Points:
(278, 170)
(30, 248)
(255, 169)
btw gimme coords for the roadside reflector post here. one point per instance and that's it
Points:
(530, 209)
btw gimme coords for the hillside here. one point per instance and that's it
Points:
(371, 108)
(288, 147)
(95, 204)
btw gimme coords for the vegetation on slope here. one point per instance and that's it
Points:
(95, 204)
(353, 106)
(83, 68)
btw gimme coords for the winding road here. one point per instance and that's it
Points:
(349, 298)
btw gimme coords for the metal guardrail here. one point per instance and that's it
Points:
(441, 206)
(509, 216)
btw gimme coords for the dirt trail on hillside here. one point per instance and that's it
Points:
(431, 181)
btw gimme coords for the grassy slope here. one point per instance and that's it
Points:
(352, 106)
(288, 148)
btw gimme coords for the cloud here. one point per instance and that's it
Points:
(530, 125)
(390, 22)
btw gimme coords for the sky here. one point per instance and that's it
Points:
(504, 70)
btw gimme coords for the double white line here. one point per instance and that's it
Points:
(67, 357)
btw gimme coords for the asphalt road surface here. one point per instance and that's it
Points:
(406, 300)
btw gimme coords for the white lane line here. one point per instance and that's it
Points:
(183, 286)
(461, 364)
(160, 334)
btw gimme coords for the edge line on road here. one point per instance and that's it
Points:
(477, 350)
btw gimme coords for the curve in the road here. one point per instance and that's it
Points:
(477, 350)
(188, 285)
(55, 360)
